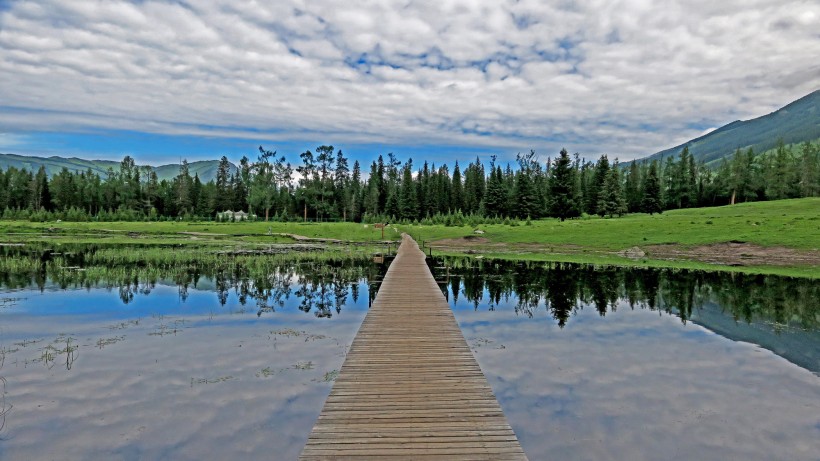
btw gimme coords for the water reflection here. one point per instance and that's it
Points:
(597, 363)
(4, 407)
(321, 284)
(564, 288)
(162, 353)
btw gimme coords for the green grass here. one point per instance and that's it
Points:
(179, 232)
(793, 224)
(788, 223)
(614, 260)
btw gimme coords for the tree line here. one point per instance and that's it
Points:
(324, 186)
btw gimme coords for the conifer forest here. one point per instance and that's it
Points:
(325, 186)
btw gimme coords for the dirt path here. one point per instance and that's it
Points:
(726, 253)
(737, 254)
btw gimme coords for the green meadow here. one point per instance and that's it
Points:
(779, 237)
(789, 223)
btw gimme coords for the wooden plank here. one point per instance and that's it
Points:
(410, 387)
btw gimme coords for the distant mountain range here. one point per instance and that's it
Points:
(795, 123)
(206, 169)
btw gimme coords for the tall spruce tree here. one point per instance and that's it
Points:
(457, 190)
(525, 201)
(184, 186)
(474, 186)
(596, 186)
(651, 202)
(408, 198)
(391, 207)
(41, 196)
(223, 200)
(562, 186)
(632, 190)
(810, 170)
(495, 201)
(611, 202)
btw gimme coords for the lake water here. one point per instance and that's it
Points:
(105, 358)
(106, 362)
(600, 363)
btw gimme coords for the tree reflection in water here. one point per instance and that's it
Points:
(321, 283)
(564, 288)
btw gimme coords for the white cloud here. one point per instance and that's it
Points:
(509, 75)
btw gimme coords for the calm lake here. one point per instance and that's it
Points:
(150, 354)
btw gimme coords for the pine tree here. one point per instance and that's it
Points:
(408, 199)
(184, 184)
(340, 192)
(474, 187)
(668, 185)
(152, 191)
(41, 196)
(224, 198)
(457, 191)
(741, 177)
(562, 185)
(241, 185)
(611, 201)
(444, 190)
(651, 202)
(63, 190)
(495, 202)
(424, 192)
(525, 197)
(391, 207)
(196, 193)
(693, 195)
(632, 190)
(355, 197)
(777, 181)
(4, 190)
(810, 170)
(596, 186)
(372, 198)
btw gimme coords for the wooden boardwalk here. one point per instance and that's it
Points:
(410, 387)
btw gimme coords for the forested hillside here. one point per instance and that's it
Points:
(795, 123)
(206, 169)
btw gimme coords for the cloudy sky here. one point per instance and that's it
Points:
(434, 80)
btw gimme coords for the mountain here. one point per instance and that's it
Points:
(795, 123)
(205, 168)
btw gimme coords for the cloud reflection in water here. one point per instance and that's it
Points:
(640, 385)
(178, 385)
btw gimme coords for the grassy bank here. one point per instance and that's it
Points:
(200, 233)
(789, 223)
(779, 237)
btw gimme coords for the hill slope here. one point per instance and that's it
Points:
(205, 168)
(797, 122)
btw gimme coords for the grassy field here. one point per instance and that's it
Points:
(781, 237)
(789, 223)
